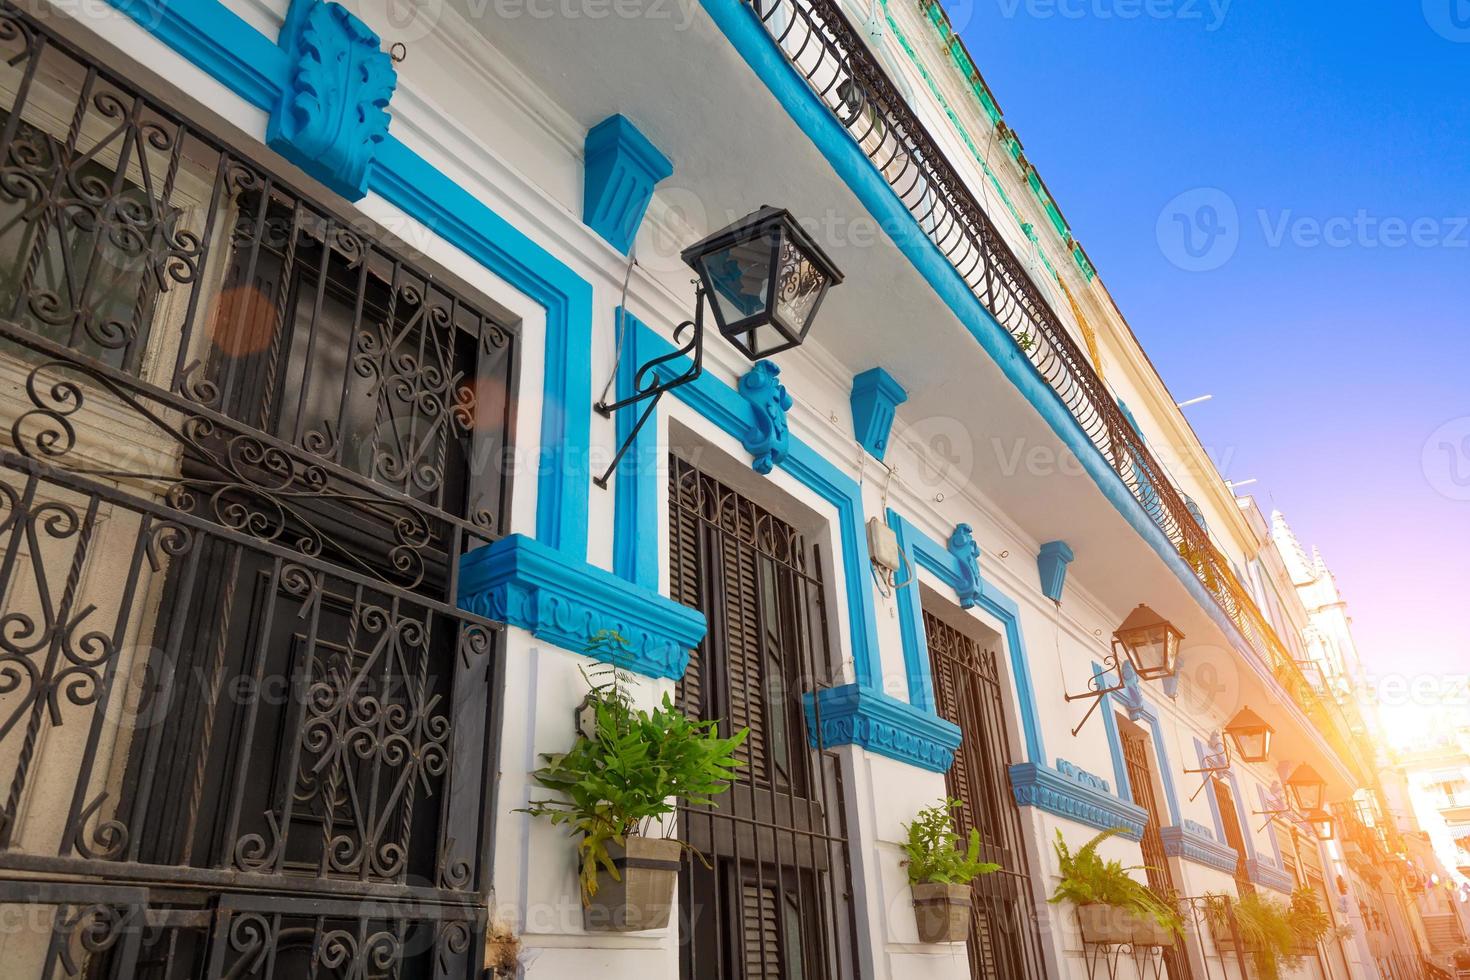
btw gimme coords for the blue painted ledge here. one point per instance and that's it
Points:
(1188, 844)
(1269, 876)
(1047, 789)
(853, 715)
(522, 582)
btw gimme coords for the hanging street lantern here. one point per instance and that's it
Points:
(1307, 788)
(1323, 824)
(1251, 735)
(765, 278)
(1150, 642)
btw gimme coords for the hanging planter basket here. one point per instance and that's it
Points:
(942, 912)
(1110, 925)
(642, 896)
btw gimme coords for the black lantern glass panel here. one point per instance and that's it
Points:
(1251, 735)
(1307, 788)
(765, 278)
(1150, 642)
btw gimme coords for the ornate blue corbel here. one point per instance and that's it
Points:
(767, 439)
(966, 554)
(1051, 565)
(333, 111)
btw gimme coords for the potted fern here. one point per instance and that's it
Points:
(1112, 907)
(1266, 928)
(941, 869)
(622, 775)
(1310, 923)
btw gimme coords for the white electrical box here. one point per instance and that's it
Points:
(882, 545)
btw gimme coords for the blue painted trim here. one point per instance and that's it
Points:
(220, 42)
(635, 504)
(853, 715)
(208, 34)
(921, 551)
(1051, 565)
(1076, 799)
(522, 582)
(1268, 875)
(620, 169)
(1203, 752)
(875, 398)
(1115, 739)
(332, 114)
(1139, 708)
(742, 27)
(1187, 843)
(966, 553)
(636, 518)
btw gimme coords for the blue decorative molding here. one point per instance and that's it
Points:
(332, 115)
(635, 520)
(875, 398)
(620, 169)
(1268, 875)
(966, 553)
(767, 439)
(1131, 696)
(1049, 790)
(852, 715)
(1082, 777)
(1197, 829)
(1138, 708)
(521, 582)
(258, 70)
(1192, 842)
(1052, 564)
(923, 552)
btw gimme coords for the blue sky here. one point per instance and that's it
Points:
(1318, 154)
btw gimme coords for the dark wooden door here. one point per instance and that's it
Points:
(1160, 878)
(1004, 943)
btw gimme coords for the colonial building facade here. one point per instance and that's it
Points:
(356, 390)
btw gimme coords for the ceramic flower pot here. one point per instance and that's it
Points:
(1148, 932)
(642, 896)
(942, 913)
(1106, 924)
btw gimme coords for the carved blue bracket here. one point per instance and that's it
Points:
(1052, 564)
(1077, 796)
(966, 552)
(332, 115)
(875, 397)
(522, 582)
(768, 439)
(884, 725)
(620, 169)
(1131, 696)
(1192, 841)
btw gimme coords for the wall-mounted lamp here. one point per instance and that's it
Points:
(1146, 640)
(1151, 643)
(1251, 735)
(764, 278)
(1323, 824)
(1307, 788)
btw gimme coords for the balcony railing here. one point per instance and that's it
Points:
(821, 44)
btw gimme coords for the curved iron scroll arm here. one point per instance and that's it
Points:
(1096, 689)
(650, 384)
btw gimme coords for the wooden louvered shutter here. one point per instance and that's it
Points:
(761, 932)
(685, 586)
(743, 637)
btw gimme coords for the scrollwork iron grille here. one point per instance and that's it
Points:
(772, 900)
(1005, 939)
(245, 730)
(821, 44)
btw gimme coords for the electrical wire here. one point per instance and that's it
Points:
(622, 324)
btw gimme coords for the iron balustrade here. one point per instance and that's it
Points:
(821, 44)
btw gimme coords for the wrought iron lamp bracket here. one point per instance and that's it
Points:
(1096, 690)
(650, 382)
(1211, 766)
